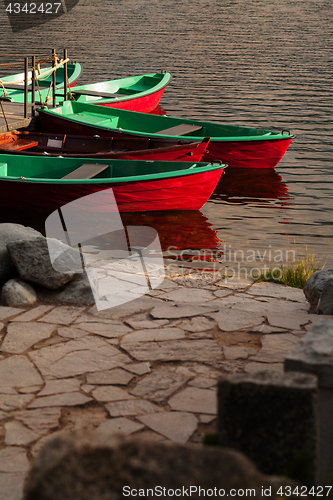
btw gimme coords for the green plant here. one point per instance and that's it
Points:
(295, 274)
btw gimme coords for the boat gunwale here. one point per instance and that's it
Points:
(122, 98)
(119, 130)
(208, 167)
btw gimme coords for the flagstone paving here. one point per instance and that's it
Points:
(149, 367)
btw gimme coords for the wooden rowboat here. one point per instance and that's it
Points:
(239, 147)
(46, 183)
(136, 93)
(14, 84)
(36, 143)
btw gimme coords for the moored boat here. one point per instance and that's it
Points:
(136, 93)
(37, 143)
(46, 183)
(238, 147)
(13, 85)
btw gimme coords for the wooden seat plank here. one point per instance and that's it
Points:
(96, 93)
(86, 171)
(18, 145)
(184, 128)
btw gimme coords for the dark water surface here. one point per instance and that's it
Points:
(257, 63)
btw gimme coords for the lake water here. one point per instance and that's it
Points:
(256, 63)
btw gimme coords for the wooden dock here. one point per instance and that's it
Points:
(12, 116)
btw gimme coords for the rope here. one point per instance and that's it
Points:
(47, 72)
(5, 93)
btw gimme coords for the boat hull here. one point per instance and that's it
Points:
(188, 192)
(143, 104)
(241, 153)
(36, 144)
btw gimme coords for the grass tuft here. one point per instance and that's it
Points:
(294, 275)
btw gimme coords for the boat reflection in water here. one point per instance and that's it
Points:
(250, 185)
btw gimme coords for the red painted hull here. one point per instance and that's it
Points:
(248, 154)
(143, 104)
(188, 192)
(236, 154)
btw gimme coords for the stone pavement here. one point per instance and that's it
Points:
(148, 367)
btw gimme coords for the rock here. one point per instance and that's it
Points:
(325, 305)
(9, 233)
(315, 284)
(17, 293)
(32, 260)
(101, 467)
(273, 418)
(77, 292)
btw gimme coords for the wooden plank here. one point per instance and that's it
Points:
(184, 128)
(96, 93)
(86, 171)
(18, 145)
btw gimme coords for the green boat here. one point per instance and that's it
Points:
(238, 147)
(46, 183)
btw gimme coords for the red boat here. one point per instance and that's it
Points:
(237, 146)
(46, 183)
(136, 93)
(36, 143)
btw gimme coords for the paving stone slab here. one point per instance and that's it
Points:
(203, 382)
(197, 324)
(10, 402)
(18, 371)
(13, 460)
(230, 320)
(11, 486)
(117, 376)
(176, 426)
(191, 295)
(70, 332)
(154, 334)
(69, 399)
(21, 336)
(159, 386)
(109, 393)
(180, 311)
(7, 312)
(60, 386)
(88, 354)
(233, 352)
(33, 314)
(138, 368)
(62, 315)
(131, 407)
(40, 420)
(176, 350)
(111, 330)
(277, 290)
(195, 400)
(235, 283)
(275, 348)
(18, 435)
(145, 324)
(121, 424)
(30, 390)
(289, 319)
(122, 311)
(3, 415)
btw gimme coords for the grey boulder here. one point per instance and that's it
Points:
(18, 293)
(10, 233)
(33, 262)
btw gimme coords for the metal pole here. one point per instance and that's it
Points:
(54, 79)
(33, 85)
(65, 75)
(25, 87)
